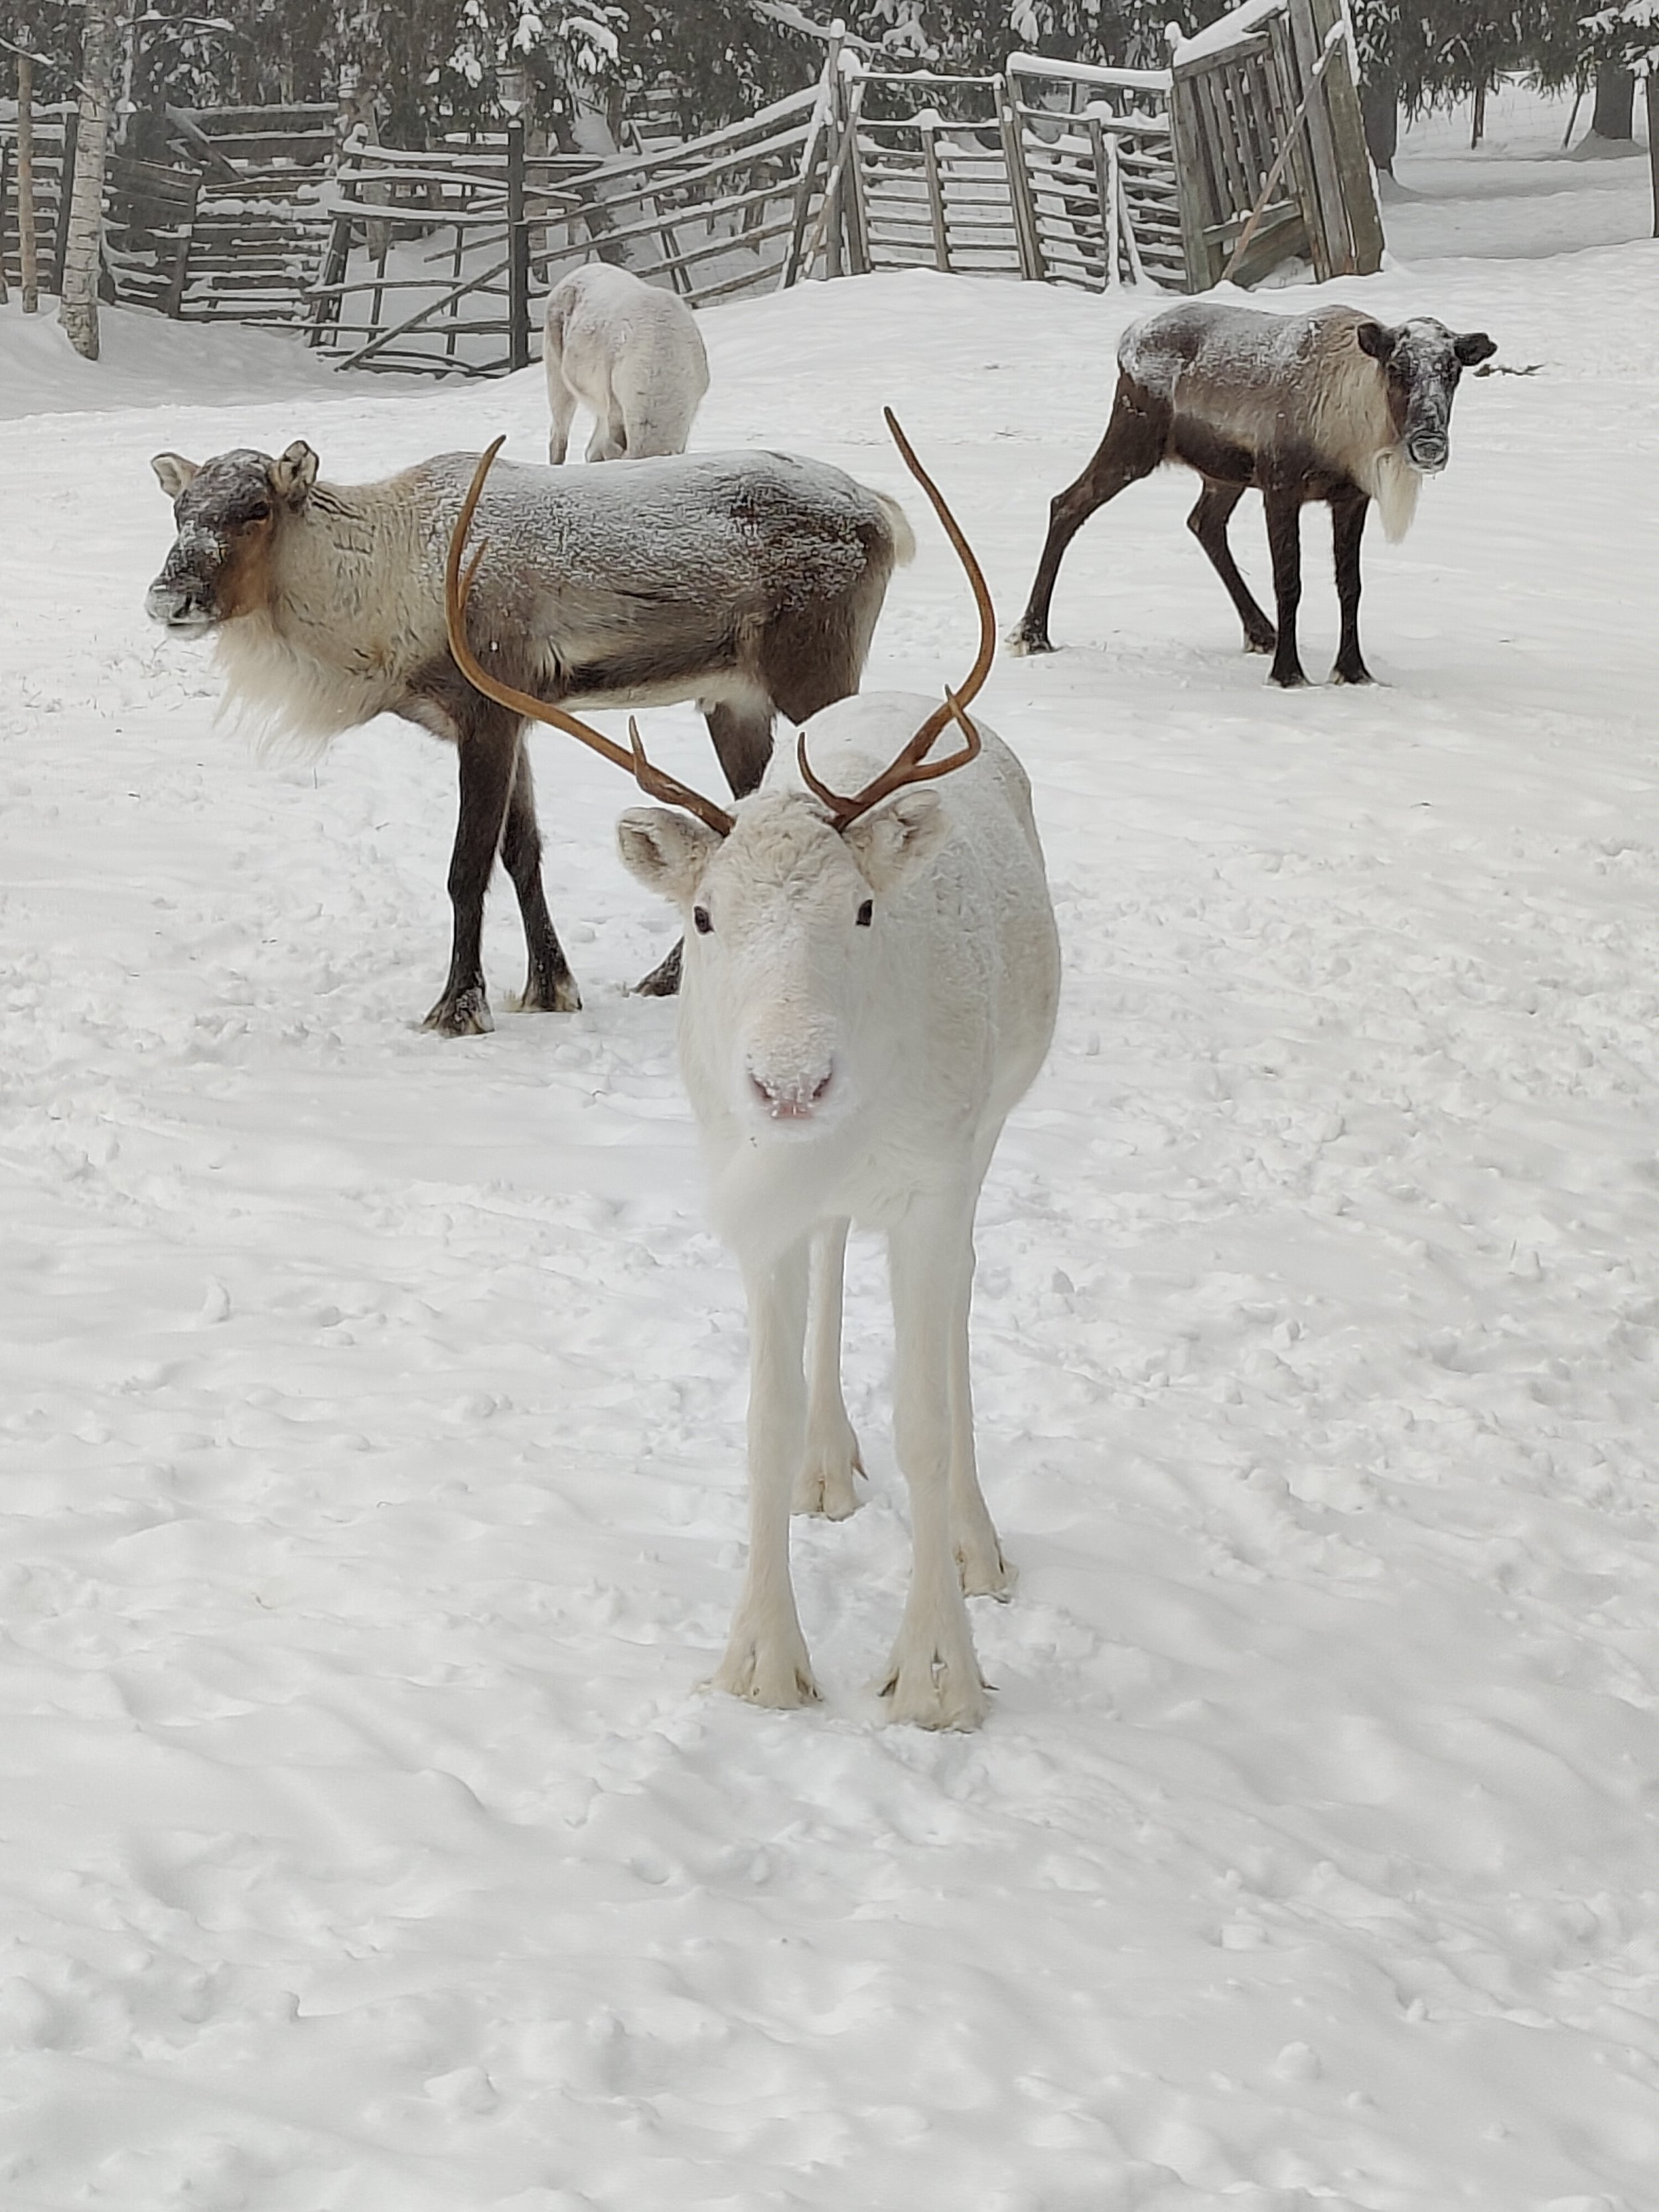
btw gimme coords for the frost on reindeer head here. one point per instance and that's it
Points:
(225, 510)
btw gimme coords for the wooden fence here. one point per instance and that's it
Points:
(208, 214)
(1096, 172)
(1247, 151)
(1047, 170)
(440, 262)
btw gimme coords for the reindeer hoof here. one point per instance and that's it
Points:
(1294, 680)
(664, 981)
(1264, 644)
(930, 1691)
(1358, 675)
(984, 1571)
(466, 1014)
(825, 1485)
(558, 995)
(1027, 638)
(773, 1670)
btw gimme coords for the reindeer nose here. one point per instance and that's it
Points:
(794, 1097)
(179, 606)
(1428, 451)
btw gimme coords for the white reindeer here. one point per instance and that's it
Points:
(630, 352)
(869, 988)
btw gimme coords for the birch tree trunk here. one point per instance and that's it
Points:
(28, 251)
(78, 312)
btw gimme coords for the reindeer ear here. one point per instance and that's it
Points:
(292, 477)
(892, 839)
(173, 473)
(1376, 339)
(665, 852)
(1473, 346)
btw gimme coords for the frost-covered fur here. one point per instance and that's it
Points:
(1330, 406)
(750, 582)
(630, 353)
(846, 1070)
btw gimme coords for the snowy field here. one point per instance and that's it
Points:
(371, 1405)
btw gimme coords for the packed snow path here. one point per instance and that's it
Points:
(371, 1405)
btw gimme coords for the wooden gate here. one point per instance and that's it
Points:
(1093, 163)
(1270, 150)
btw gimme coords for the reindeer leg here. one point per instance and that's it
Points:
(743, 743)
(1285, 541)
(1347, 526)
(934, 1679)
(561, 404)
(488, 756)
(825, 1482)
(1208, 524)
(985, 1572)
(1132, 448)
(766, 1659)
(550, 987)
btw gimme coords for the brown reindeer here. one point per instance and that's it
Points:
(750, 582)
(1328, 405)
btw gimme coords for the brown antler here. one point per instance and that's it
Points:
(458, 590)
(908, 767)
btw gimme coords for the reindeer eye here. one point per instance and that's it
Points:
(259, 513)
(699, 915)
(866, 914)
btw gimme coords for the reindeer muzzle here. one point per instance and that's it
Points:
(178, 605)
(796, 1098)
(1428, 452)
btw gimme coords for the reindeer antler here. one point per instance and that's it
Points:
(458, 590)
(907, 766)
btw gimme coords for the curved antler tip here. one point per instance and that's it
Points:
(494, 446)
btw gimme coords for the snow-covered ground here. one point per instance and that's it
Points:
(371, 1405)
(1526, 192)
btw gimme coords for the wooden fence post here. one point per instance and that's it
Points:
(820, 142)
(1027, 237)
(838, 148)
(28, 246)
(518, 251)
(1346, 123)
(60, 243)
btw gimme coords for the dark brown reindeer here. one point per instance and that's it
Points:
(750, 582)
(1328, 405)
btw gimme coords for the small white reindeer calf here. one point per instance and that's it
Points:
(630, 352)
(869, 988)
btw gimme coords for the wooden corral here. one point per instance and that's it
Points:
(1249, 151)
